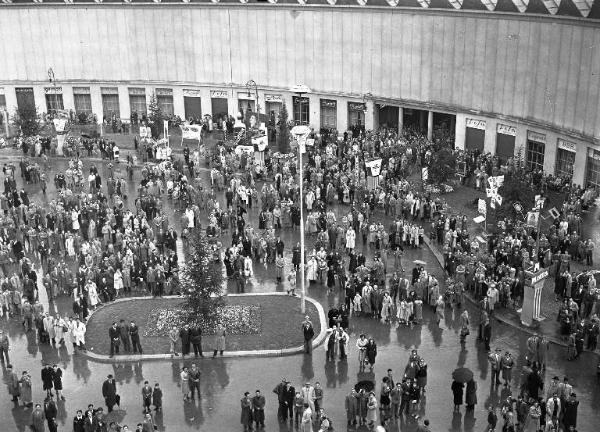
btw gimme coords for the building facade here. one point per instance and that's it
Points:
(502, 82)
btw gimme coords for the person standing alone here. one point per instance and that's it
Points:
(309, 333)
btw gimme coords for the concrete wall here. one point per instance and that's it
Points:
(536, 69)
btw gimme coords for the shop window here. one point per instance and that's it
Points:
(301, 110)
(165, 103)
(564, 163)
(54, 102)
(137, 104)
(83, 103)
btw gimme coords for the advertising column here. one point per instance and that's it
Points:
(565, 159)
(505, 142)
(474, 134)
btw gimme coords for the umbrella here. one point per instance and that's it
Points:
(462, 375)
(419, 262)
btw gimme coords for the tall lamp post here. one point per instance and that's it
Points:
(301, 133)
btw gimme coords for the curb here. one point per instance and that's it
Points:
(103, 358)
(511, 323)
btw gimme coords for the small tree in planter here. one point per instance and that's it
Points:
(155, 117)
(27, 120)
(283, 131)
(443, 166)
(201, 279)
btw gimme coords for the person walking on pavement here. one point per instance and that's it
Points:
(157, 397)
(50, 412)
(146, 397)
(361, 344)
(4, 347)
(79, 422)
(173, 338)
(258, 409)
(246, 415)
(196, 339)
(47, 379)
(507, 363)
(184, 334)
(57, 374)
(495, 360)
(12, 381)
(185, 384)
(194, 380)
(37, 419)
(109, 393)
(134, 333)
(309, 333)
(115, 339)
(487, 334)
(279, 390)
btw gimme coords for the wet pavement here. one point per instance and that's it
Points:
(225, 380)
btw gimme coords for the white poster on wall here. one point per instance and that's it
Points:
(192, 132)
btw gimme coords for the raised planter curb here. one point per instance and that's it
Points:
(103, 358)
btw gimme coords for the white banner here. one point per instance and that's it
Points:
(59, 124)
(375, 166)
(261, 142)
(481, 206)
(532, 219)
(244, 149)
(567, 145)
(145, 132)
(506, 129)
(60, 142)
(475, 124)
(193, 132)
(496, 182)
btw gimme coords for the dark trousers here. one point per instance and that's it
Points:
(114, 347)
(495, 376)
(194, 388)
(282, 411)
(259, 417)
(185, 348)
(198, 349)
(126, 343)
(307, 345)
(137, 346)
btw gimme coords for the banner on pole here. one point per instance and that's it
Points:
(479, 219)
(375, 166)
(554, 213)
(193, 132)
(532, 218)
(261, 142)
(60, 124)
(166, 128)
(481, 206)
(424, 174)
(244, 149)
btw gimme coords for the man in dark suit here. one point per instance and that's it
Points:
(50, 411)
(134, 331)
(79, 422)
(196, 339)
(184, 334)
(109, 392)
(115, 339)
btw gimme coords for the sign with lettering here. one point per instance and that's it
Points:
(506, 129)
(355, 106)
(137, 91)
(475, 124)
(164, 92)
(81, 90)
(481, 206)
(218, 94)
(375, 166)
(24, 90)
(109, 90)
(328, 103)
(299, 100)
(191, 93)
(53, 90)
(535, 278)
(192, 132)
(567, 145)
(273, 98)
(536, 136)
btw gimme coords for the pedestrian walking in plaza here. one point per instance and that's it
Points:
(173, 338)
(115, 339)
(258, 409)
(219, 343)
(361, 344)
(307, 417)
(372, 410)
(25, 389)
(134, 334)
(184, 334)
(109, 393)
(157, 396)
(457, 394)
(464, 326)
(47, 379)
(246, 415)
(57, 375)
(4, 347)
(371, 353)
(196, 340)
(37, 419)
(309, 333)
(185, 384)
(146, 397)
(471, 395)
(487, 334)
(507, 363)
(194, 380)
(351, 405)
(495, 360)
(79, 422)
(12, 381)
(50, 412)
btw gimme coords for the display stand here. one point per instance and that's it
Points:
(532, 296)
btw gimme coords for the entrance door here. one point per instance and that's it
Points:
(219, 109)
(505, 147)
(388, 116)
(192, 106)
(474, 139)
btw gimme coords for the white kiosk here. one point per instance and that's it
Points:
(532, 296)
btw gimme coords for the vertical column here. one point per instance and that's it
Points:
(68, 98)
(232, 103)
(400, 119)
(96, 98)
(124, 105)
(430, 125)
(178, 106)
(314, 112)
(580, 164)
(460, 134)
(370, 115)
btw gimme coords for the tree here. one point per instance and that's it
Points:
(155, 117)
(201, 279)
(283, 131)
(442, 166)
(27, 120)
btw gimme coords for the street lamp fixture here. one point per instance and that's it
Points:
(251, 84)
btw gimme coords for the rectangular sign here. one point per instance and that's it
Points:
(476, 124)
(479, 219)
(328, 103)
(193, 132)
(81, 90)
(137, 91)
(375, 166)
(424, 174)
(219, 94)
(59, 124)
(481, 206)
(594, 154)
(53, 90)
(506, 129)
(356, 106)
(273, 98)
(191, 93)
(109, 90)
(164, 92)
(145, 132)
(536, 136)
(567, 145)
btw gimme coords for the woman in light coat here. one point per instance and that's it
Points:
(439, 310)
(372, 409)
(59, 329)
(79, 329)
(118, 281)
